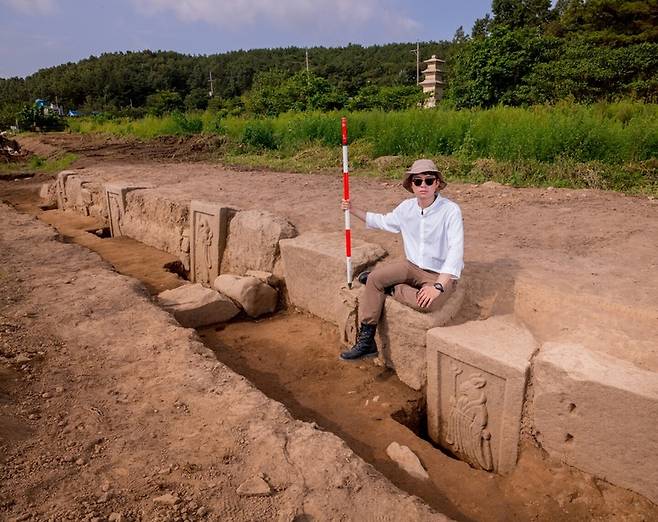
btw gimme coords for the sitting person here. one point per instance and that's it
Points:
(433, 236)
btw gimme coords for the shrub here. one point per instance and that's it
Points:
(259, 134)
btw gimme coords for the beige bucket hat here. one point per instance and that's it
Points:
(422, 166)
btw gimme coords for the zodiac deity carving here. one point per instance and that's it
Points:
(204, 242)
(115, 215)
(467, 425)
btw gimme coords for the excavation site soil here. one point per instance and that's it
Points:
(103, 416)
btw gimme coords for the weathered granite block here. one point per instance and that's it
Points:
(255, 297)
(599, 414)
(476, 381)
(80, 194)
(158, 221)
(208, 233)
(401, 337)
(253, 241)
(194, 305)
(401, 333)
(115, 201)
(314, 268)
(60, 188)
(48, 193)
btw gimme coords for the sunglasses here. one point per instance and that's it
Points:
(428, 181)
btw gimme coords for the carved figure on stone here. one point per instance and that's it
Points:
(467, 424)
(204, 260)
(115, 215)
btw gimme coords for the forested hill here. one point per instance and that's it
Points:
(526, 52)
(117, 80)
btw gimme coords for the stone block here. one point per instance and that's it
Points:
(78, 194)
(347, 310)
(314, 268)
(208, 233)
(253, 241)
(401, 333)
(194, 305)
(60, 188)
(255, 297)
(115, 201)
(401, 337)
(158, 221)
(477, 375)
(599, 414)
(48, 193)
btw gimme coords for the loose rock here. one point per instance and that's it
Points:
(407, 460)
(254, 487)
(254, 296)
(194, 305)
(168, 499)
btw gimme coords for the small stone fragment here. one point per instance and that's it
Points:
(104, 497)
(168, 499)
(194, 305)
(254, 487)
(255, 297)
(115, 517)
(407, 460)
(266, 277)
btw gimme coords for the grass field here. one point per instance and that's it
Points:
(608, 145)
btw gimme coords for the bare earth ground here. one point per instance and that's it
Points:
(81, 417)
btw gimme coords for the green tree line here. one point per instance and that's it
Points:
(525, 52)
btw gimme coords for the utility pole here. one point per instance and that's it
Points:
(306, 61)
(212, 86)
(417, 52)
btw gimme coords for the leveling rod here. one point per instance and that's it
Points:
(346, 196)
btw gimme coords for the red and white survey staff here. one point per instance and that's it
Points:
(346, 197)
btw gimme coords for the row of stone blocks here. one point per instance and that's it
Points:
(590, 410)
(208, 237)
(488, 382)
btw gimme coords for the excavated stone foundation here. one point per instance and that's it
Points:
(510, 356)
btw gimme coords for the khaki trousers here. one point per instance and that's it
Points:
(406, 279)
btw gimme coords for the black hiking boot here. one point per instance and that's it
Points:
(365, 344)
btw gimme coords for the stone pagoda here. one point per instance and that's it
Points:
(433, 82)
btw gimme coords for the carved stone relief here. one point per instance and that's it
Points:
(476, 380)
(115, 201)
(208, 231)
(468, 419)
(60, 189)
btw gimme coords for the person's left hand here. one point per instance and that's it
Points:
(426, 296)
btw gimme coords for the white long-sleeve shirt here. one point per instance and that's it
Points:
(433, 237)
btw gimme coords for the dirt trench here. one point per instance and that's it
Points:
(292, 358)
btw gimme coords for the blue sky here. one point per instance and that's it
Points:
(43, 33)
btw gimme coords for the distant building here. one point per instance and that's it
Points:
(48, 108)
(433, 82)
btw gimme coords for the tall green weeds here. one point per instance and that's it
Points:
(605, 145)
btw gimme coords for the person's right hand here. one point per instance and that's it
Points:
(345, 204)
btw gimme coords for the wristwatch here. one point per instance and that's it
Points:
(439, 287)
